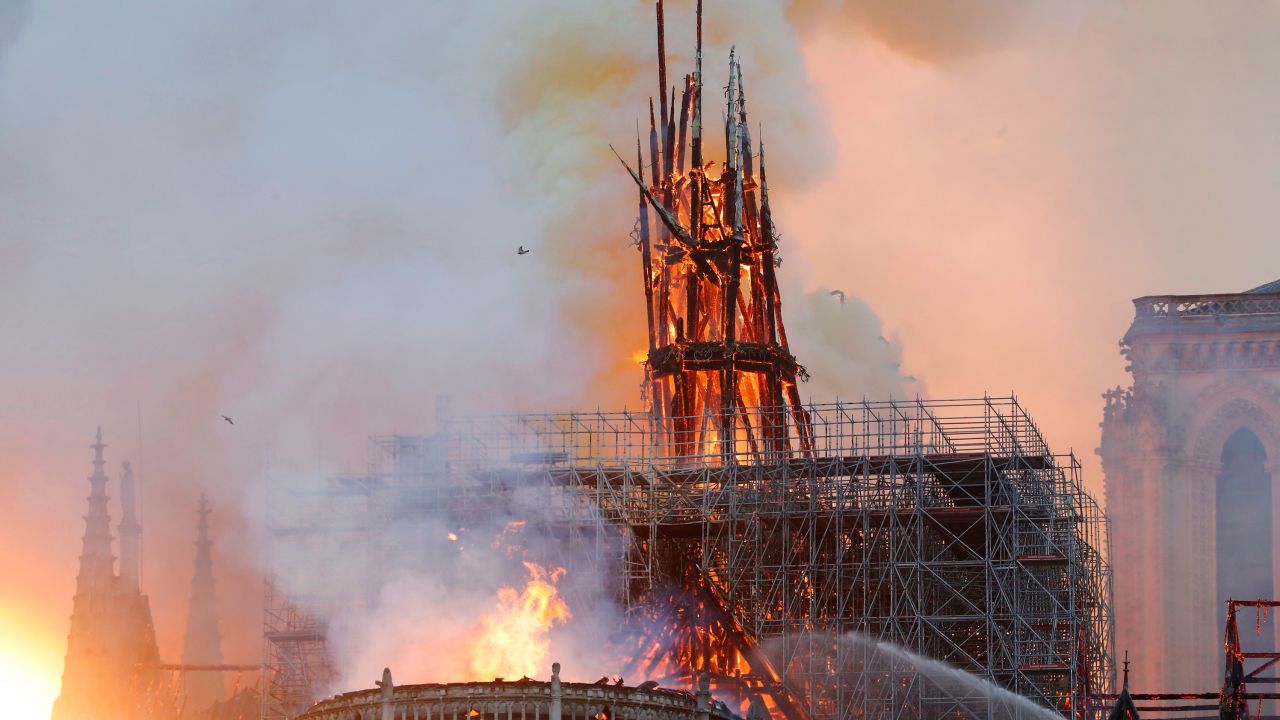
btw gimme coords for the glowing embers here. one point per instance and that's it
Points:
(689, 394)
(678, 634)
(514, 639)
(717, 346)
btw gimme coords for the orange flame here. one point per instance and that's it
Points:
(514, 640)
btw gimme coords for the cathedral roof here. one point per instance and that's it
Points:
(1271, 287)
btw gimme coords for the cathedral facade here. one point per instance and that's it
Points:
(1188, 452)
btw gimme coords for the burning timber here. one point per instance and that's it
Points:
(747, 533)
(717, 343)
(947, 527)
(523, 699)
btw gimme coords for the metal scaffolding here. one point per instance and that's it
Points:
(947, 528)
(778, 547)
(319, 520)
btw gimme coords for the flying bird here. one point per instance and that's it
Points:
(839, 294)
(229, 420)
(521, 251)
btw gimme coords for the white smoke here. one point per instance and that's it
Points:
(827, 327)
(411, 589)
(305, 214)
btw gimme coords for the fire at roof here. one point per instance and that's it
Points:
(729, 549)
(809, 560)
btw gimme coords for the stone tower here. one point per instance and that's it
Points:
(203, 645)
(1186, 450)
(112, 642)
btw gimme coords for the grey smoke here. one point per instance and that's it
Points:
(411, 591)
(300, 214)
(13, 13)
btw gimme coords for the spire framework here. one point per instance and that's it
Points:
(720, 377)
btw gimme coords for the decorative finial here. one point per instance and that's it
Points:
(1126, 669)
(98, 446)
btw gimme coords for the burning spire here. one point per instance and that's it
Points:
(202, 645)
(720, 377)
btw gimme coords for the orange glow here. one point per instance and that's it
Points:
(639, 356)
(514, 639)
(30, 670)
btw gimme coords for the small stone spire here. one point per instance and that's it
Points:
(203, 642)
(556, 709)
(97, 564)
(1124, 708)
(130, 535)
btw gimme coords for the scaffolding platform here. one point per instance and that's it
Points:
(947, 528)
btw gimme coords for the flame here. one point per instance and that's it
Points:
(453, 537)
(514, 640)
(640, 356)
(29, 667)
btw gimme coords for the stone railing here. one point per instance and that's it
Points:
(1200, 313)
(524, 699)
(1179, 306)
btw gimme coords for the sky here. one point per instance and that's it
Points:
(305, 216)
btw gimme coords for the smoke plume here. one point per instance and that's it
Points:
(304, 215)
